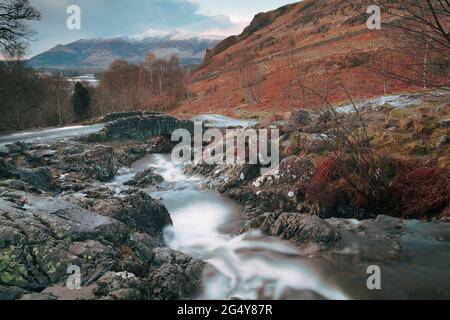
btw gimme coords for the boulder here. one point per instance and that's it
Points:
(40, 178)
(137, 210)
(297, 228)
(41, 156)
(145, 179)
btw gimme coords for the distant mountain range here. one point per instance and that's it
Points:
(100, 53)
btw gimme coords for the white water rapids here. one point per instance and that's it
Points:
(206, 226)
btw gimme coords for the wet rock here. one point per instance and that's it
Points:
(40, 178)
(297, 228)
(145, 179)
(137, 210)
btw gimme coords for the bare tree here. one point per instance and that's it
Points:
(356, 161)
(419, 38)
(13, 27)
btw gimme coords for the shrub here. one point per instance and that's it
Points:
(420, 192)
(320, 188)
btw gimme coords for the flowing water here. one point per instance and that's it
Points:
(206, 225)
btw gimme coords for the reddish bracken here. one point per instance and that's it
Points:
(422, 192)
(319, 189)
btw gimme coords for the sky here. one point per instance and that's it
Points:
(108, 18)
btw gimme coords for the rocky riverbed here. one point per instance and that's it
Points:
(56, 212)
(138, 228)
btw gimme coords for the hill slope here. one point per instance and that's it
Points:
(313, 42)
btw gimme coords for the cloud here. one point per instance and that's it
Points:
(105, 18)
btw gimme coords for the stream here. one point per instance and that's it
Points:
(206, 225)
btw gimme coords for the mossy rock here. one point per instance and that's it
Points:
(12, 270)
(96, 138)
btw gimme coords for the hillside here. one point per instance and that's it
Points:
(313, 42)
(99, 53)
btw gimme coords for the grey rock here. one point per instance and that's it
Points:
(5, 173)
(145, 179)
(40, 178)
(177, 280)
(98, 163)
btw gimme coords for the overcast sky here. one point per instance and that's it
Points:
(106, 18)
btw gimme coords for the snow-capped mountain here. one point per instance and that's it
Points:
(100, 53)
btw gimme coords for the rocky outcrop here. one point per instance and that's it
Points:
(370, 240)
(145, 126)
(115, 238)
(41, 237)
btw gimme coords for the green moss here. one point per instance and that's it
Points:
(12, 271)
(2, 243)
(399, 113)
(96, 138)
(388, 106)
